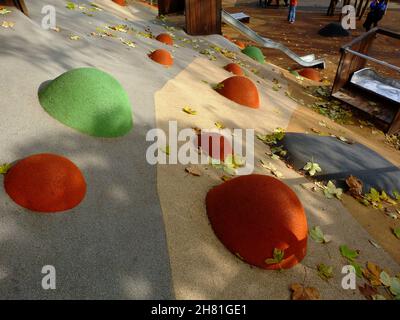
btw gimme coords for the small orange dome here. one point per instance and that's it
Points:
(241, 90)
(120, 2)
(215, 145)
(45, 183)
(234, 68)
(311, 74)
(254, 215)
(162, 56)
(239, 43)
(165, 38)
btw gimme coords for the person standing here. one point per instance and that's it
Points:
(376, 13)
(292, 11)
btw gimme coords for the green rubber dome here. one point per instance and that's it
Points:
(254, 53)
(90, 101)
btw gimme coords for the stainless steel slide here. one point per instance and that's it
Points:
(306, 61)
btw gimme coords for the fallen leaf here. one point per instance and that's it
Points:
(73, 37)
(277, 257)
(219, 125)
(355, 186)
(4, 11)
(348, 253)
(193, 171)
(226, 178)
(189, 110)
(374, 244)
(7, 24)
(166, 150)
(373, 274)
(317, 235)
(302, 293)
(396, 231)
(330, 191)
(312, 168)
(5, 167)
(368, 291)
(385, 279)
(325, 272)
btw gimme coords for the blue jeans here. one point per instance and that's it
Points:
(292, 14)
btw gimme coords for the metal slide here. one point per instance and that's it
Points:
(306, 61)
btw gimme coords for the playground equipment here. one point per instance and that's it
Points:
(20, 4)
(364, 88)
(306, 61)
(198, 23)
(202, 17)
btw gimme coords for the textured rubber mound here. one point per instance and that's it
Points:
(254, 53)
(241, 90)
(90, 101)
(252, 215)
(162, 56)
(333, 30)
(311, 74)
(45, 183)
(339, 160)
(215, 145)
(165, 38)
(120, 2)
(234, 68)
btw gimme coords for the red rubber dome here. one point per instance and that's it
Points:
(234, 68)
(165, 38)
(162, 56)
(241, 90)
(311, 74)
(215, 145)
(252, 215)
(45, 183)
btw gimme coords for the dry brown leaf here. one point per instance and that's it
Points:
(372, 273)
(226, 178)
(193, 171)
(302, 293)
(368, 291)
(355, 186)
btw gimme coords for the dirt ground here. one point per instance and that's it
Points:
(302, 37)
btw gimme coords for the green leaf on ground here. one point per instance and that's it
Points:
(385, 279)
(70, 5)
(396, 231)
(317, 235)
(348, 253)
(358, 268)
(395, 287)
(5, 167)
(4, 11)
(325, 272)
(312, 168)
(277, 257)
(331, 191)
(189, 110)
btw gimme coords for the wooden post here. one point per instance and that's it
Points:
(170, 6)
(203, 17)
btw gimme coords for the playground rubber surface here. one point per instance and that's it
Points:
(339, 160)
(142, 231)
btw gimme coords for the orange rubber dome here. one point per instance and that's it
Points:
(215, 145)
(241, 90)
(234, 68)
(240, 44)
(45, 183)
(120, 2)
(255, 214)
(162, 56)
(165, 38)
(311, 74)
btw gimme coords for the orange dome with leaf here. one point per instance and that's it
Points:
(257, 215)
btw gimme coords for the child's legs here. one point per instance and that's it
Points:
(292, 13)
